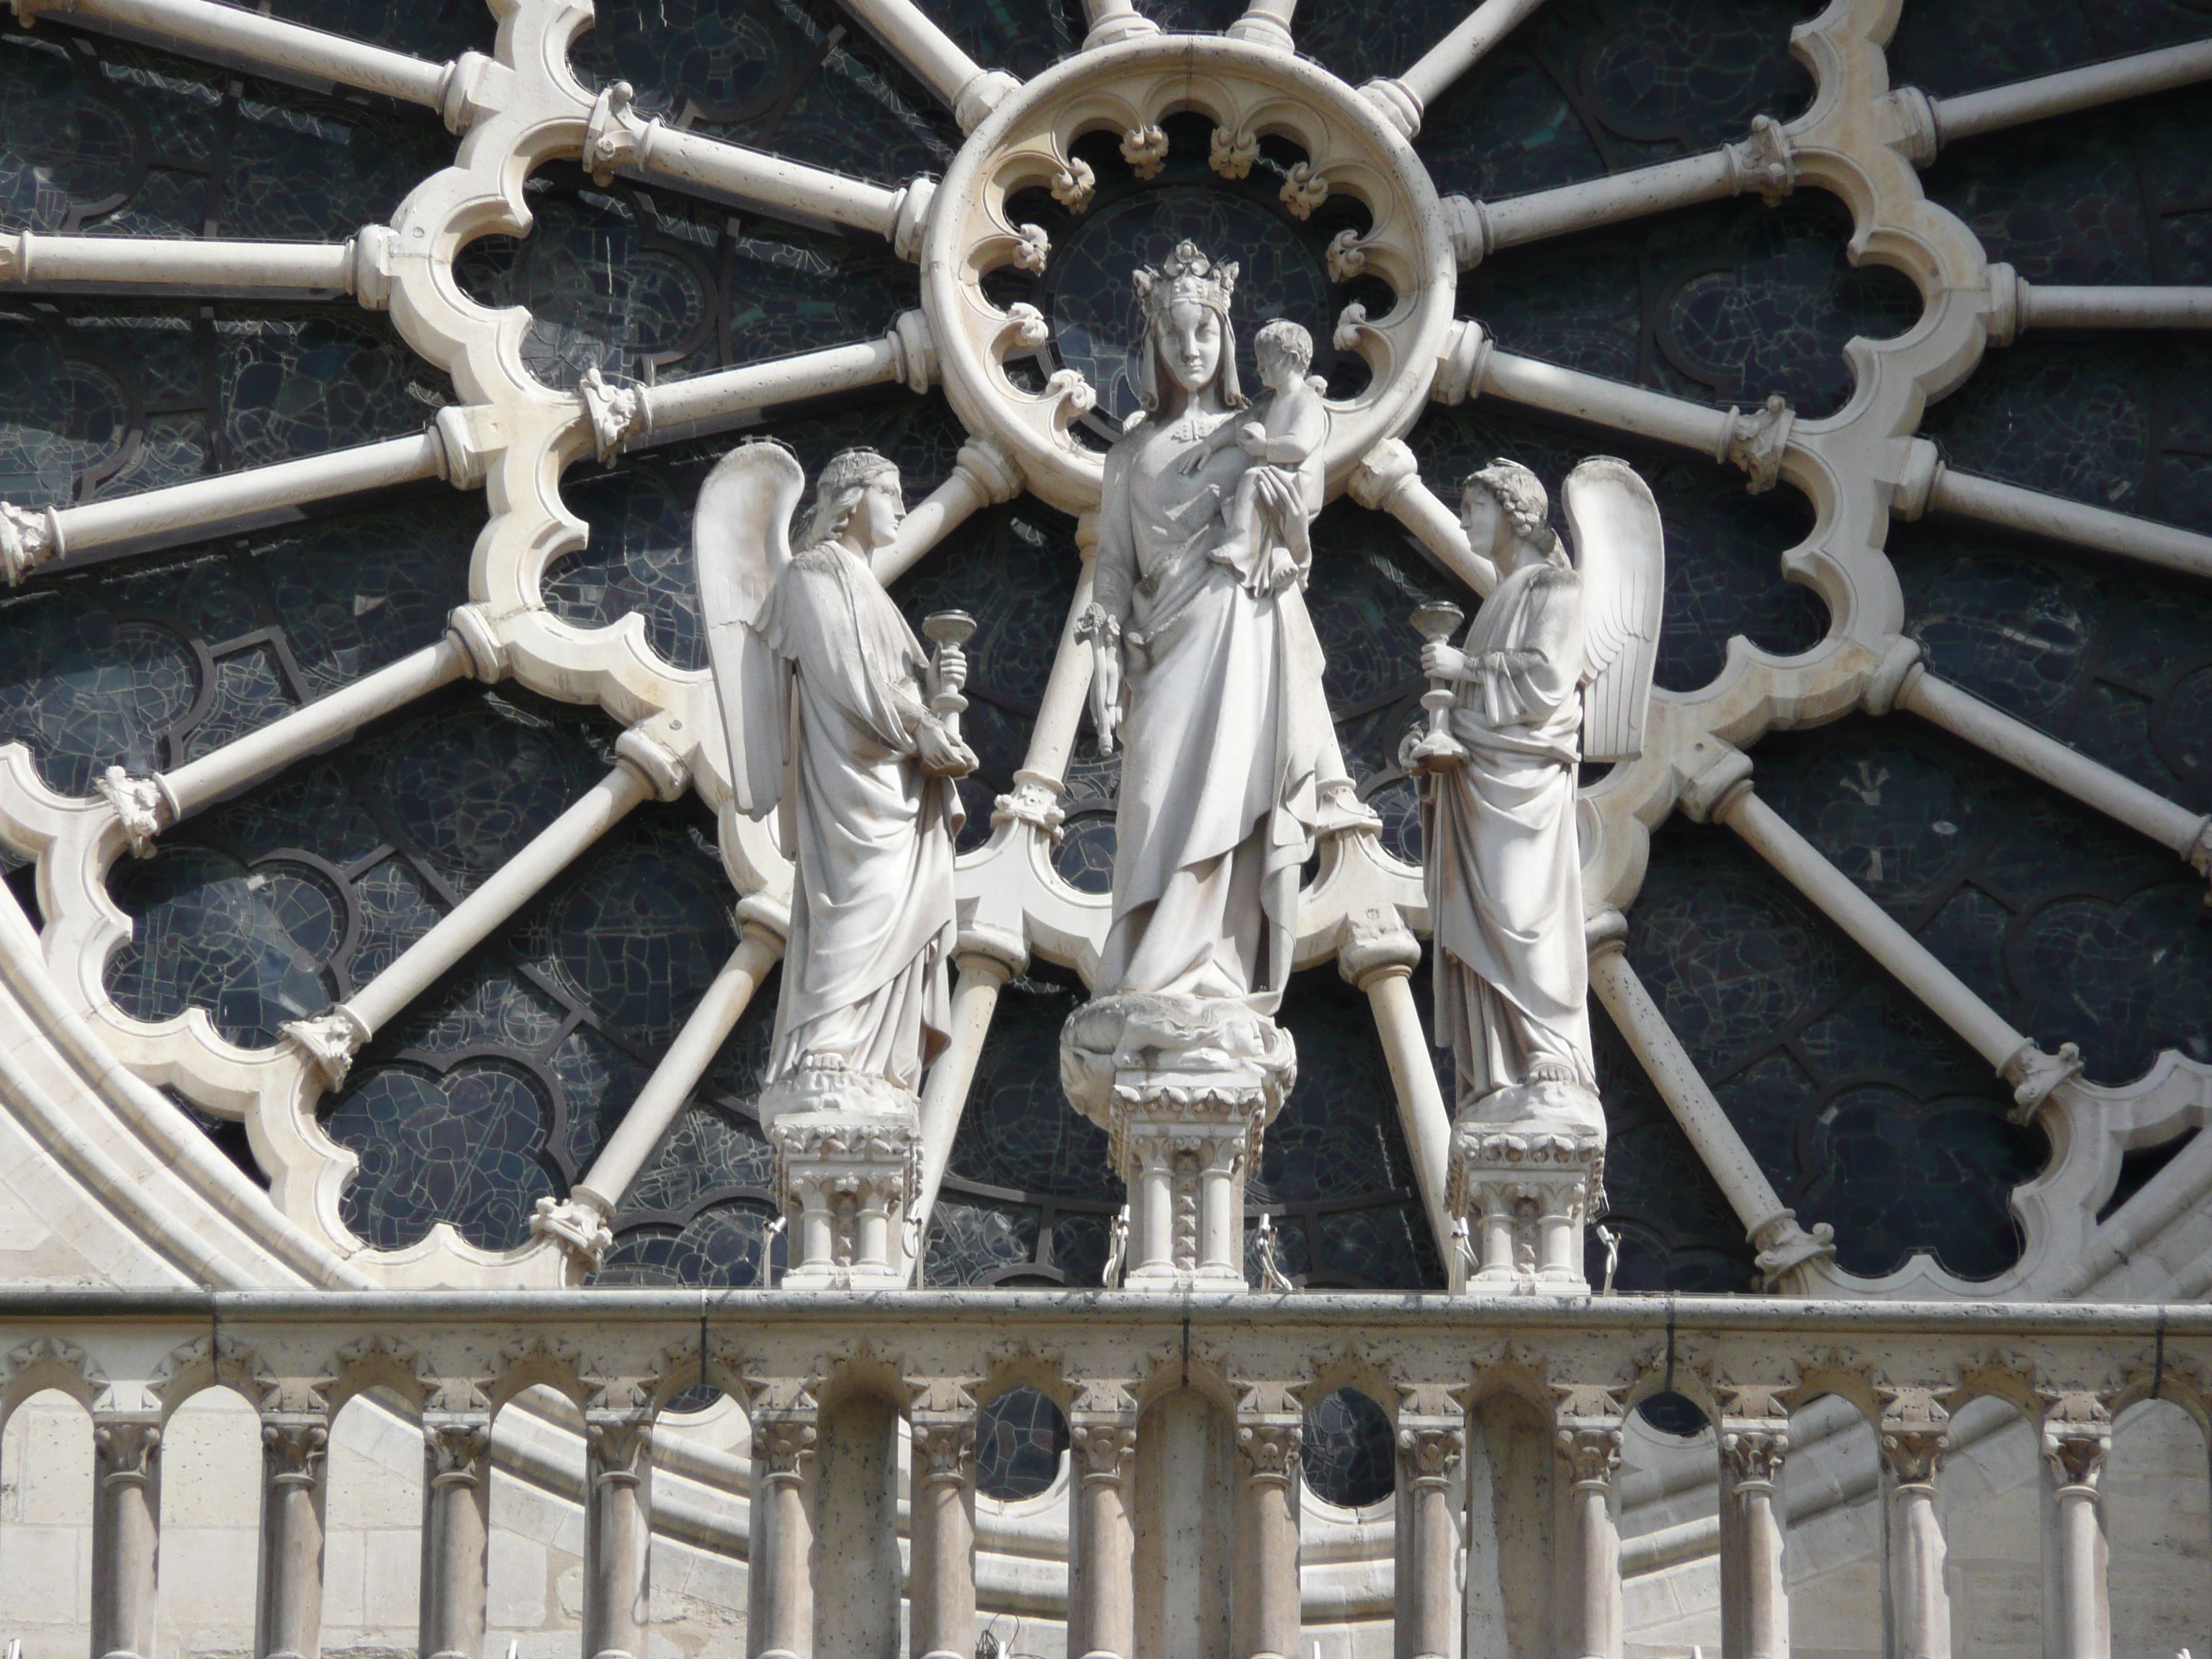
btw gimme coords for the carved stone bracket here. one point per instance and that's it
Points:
(619, 413)
(328, 1042)
(1763, 163)
(1234, 152)
(29, 537)
(144, 807)
(2033, 1075)
(1757, 442)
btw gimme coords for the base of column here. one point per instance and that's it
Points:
(848, 1163)
(1528, 1168)
(1184, 1088)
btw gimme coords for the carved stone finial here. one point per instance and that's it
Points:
(1145, 149)
(329, 1041)
(1074, 185)
(1757, 442)
(1234, 152)
(1303, 190)
(1348, 256)
(143, 806)
(1031, 249)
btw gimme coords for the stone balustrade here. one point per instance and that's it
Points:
(1185, 1419)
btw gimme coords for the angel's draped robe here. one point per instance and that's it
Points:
(1223, 741)
(1503, 859)
(872, 909)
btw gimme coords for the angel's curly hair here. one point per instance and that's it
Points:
(838, 490)
(1521, 493)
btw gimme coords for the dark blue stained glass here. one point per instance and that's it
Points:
(86, 691)
(793, 77)
(1348, 1454)
(1724, 546)
(650, 284)
(112, 397)
(252, 945)
(465, 1145)
(720, 1248)
(473, 786)
(1014, 569)
(639, 558)
(1674, 1229)
(2072, 927)
(1021, 37)
(1950, 47)
(2115, 659)
(2125, 426)
(1025, 1162)
(1594, 87)
(435, 29)
(100, 135)
(1020, 1438)
(1724, 304)
(1333, 1170)
(1861, 1110)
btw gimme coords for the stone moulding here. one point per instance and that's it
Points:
(1860, 139)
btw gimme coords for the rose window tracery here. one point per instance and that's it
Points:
(507, 391)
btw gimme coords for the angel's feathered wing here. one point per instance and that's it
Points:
(1621, 551)
(740, 543)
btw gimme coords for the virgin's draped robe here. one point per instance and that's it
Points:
(871, 912)
(1503, 859)
(1223, 737)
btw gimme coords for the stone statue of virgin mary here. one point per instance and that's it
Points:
(1211, 689)
(1211, 683)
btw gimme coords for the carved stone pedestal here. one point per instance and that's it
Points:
(1184, 1087)
(1522, 1192)
(848, 1153)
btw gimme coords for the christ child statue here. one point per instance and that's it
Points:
(1266, 543)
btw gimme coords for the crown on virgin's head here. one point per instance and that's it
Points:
(1186, 274)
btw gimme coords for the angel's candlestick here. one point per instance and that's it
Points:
(948, 630)
(1436, 622)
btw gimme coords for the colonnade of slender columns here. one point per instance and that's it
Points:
(1586, 1437)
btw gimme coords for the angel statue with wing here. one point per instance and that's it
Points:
(1555, 668)
(829, 705)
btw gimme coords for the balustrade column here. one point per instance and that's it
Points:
(1915, 1435)
(2080, 1596)
(1754, 1597)
(456, 1527)
(1430, 1441)
(1590, 1449)
(126, 1532)
(1103, 1444)
(295, 1447)
(784, 1440)
(942, 1584)
(618, 1534)
(1265, 1607)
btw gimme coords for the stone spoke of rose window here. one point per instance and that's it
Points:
(645, 769)
(290, 51)
(1405, 98)
(968, 90)
(446, 449)
(1904, 681)
(1723, 793)
(360, 266)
